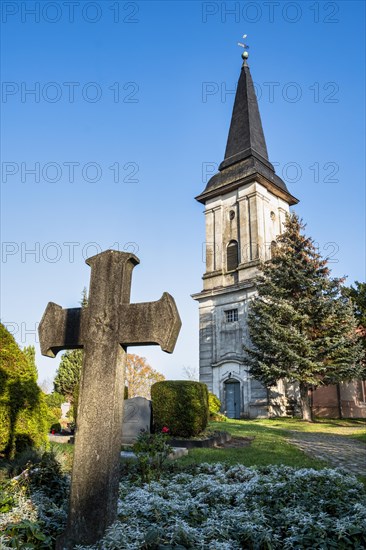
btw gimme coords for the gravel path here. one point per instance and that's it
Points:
(339, 451)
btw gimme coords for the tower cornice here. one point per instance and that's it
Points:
(246, 180)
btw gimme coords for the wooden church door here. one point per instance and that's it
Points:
(232, 398)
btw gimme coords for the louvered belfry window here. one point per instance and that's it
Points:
(232, 256)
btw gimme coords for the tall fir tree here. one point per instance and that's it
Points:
(68, 373)
(357, 294)
(301, 326)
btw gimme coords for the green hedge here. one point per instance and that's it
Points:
(180, 405)
(23, 409)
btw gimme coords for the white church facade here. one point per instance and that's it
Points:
(245, 206)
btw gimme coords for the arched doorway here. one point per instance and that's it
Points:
(232, 398)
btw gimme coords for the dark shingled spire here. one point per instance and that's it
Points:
(246, 136)
(246, 156)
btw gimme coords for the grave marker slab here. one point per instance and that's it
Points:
(136, 417)
(104, 328)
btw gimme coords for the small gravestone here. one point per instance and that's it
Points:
(136, 417)
(104, 329)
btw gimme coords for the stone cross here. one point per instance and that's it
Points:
(104, 328)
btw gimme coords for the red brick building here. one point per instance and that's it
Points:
(344, 400)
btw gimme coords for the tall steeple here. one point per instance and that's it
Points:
(246, 154)
(246, 136)
(245, 206)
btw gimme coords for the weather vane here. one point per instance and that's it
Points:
(245, 54)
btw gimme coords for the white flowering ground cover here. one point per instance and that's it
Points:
(221, 507)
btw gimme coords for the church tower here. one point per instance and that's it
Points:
(245, 207)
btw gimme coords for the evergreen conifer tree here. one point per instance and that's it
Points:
(301, 326)
(357, 294)
(68, 373)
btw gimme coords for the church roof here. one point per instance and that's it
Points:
(246, 157)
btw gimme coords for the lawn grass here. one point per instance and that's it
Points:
(269, 446)
(348, 426)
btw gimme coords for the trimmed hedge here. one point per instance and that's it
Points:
(23, 410)
(180, 405)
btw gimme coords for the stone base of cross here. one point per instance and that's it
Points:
(104, 329)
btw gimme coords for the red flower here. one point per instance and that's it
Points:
(165, 430)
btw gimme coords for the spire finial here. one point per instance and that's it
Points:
(245, 54)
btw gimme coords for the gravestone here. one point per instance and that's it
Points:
(136, 417)
(104, 329)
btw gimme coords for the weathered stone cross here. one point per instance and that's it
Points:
(103, 329)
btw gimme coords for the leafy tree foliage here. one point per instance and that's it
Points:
(23, 411)
(140, 376)
(301, 326)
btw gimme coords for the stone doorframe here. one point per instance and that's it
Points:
(232, 369)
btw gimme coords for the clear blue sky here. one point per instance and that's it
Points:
(147, 87)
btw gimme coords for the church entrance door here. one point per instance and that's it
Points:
(232, 392)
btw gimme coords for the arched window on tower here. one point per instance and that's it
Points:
(232, 256)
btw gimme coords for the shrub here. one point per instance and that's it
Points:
(27, 534)
(47, 476)
(214, 403)
(180, 404)
(54, 401)
(33, 504)
(22, 461)
(23, 410)
(233, 507)
(152, 451)
(215, 506)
